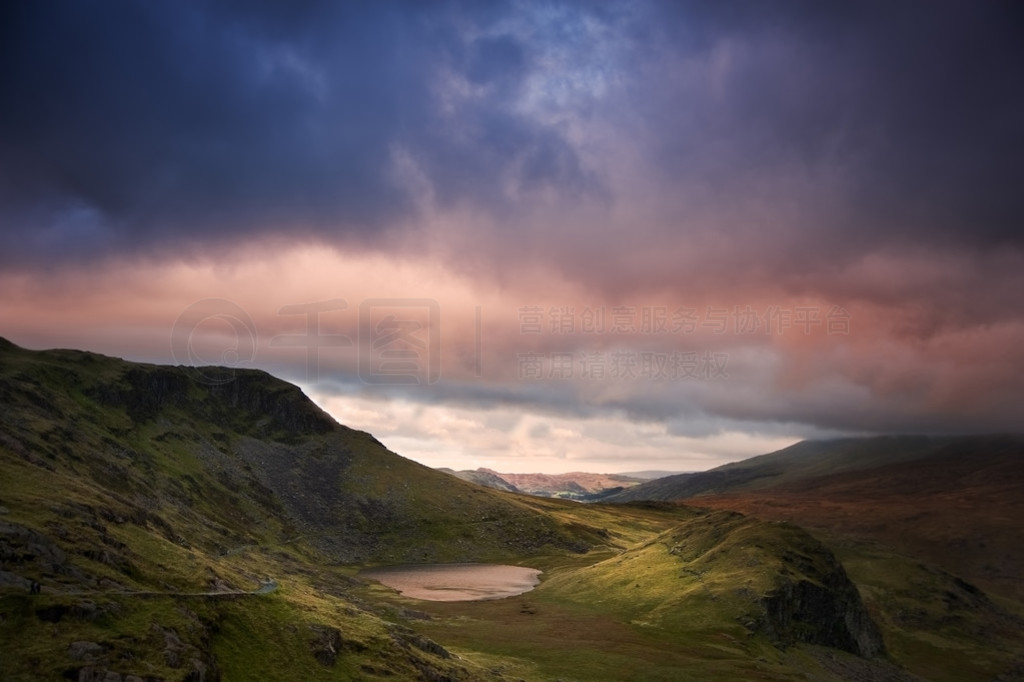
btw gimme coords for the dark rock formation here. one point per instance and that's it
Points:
(830, 614)
(406, 638)
(81, 651)
(326, 644)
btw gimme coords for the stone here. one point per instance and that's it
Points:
(83, 650)
(326, 645)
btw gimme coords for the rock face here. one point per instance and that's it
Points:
(251, 401)
(829, 613)
(326, 645)
(806, 595)
(83, 651)
(20, 545)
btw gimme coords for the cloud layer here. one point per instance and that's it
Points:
(674, 162)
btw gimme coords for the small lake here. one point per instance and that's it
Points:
(456, 582)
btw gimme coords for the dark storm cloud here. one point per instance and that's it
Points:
(918, 110)
(153, 117)
(127, 123)
(817, 127)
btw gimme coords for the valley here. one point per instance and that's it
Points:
(158, 523)
(556, 341)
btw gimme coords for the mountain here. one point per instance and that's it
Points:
(226, 449)
(956, 500)
(573, 485)
(173, 523)
(149, 504)
(928, 527)
(810, 459)
(651, 474)
(483, 477)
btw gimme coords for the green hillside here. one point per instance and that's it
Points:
(232, 458)
(169, 523)
(146, 500)
(928, 528)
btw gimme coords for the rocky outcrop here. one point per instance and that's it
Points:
(829, 613)
(20, 545)
(795, 589)
(407, 638)
(243, 398)
(84, 651)
(328, 643)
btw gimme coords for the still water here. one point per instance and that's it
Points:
(456, 582)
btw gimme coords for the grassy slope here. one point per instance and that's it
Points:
(118, 478)
(935, 623)
(936, 620)
(146, 502)
(931, 535)
(961, 508)
(688, 602)
(242, 461)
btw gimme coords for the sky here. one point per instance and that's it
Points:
(533, 236)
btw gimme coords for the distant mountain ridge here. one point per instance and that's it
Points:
(957, 501)
(483, 477)
(572, 485)
(805, 461)
(651, 474)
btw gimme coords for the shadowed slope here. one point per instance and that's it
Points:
(800, 462)
(142, 507)
(225, 458)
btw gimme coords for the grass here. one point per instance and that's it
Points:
(132, 491)
(672, 606)
(935, 623)
(135, 488)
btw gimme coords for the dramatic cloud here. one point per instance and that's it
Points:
(129, 125)
(716, 227)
